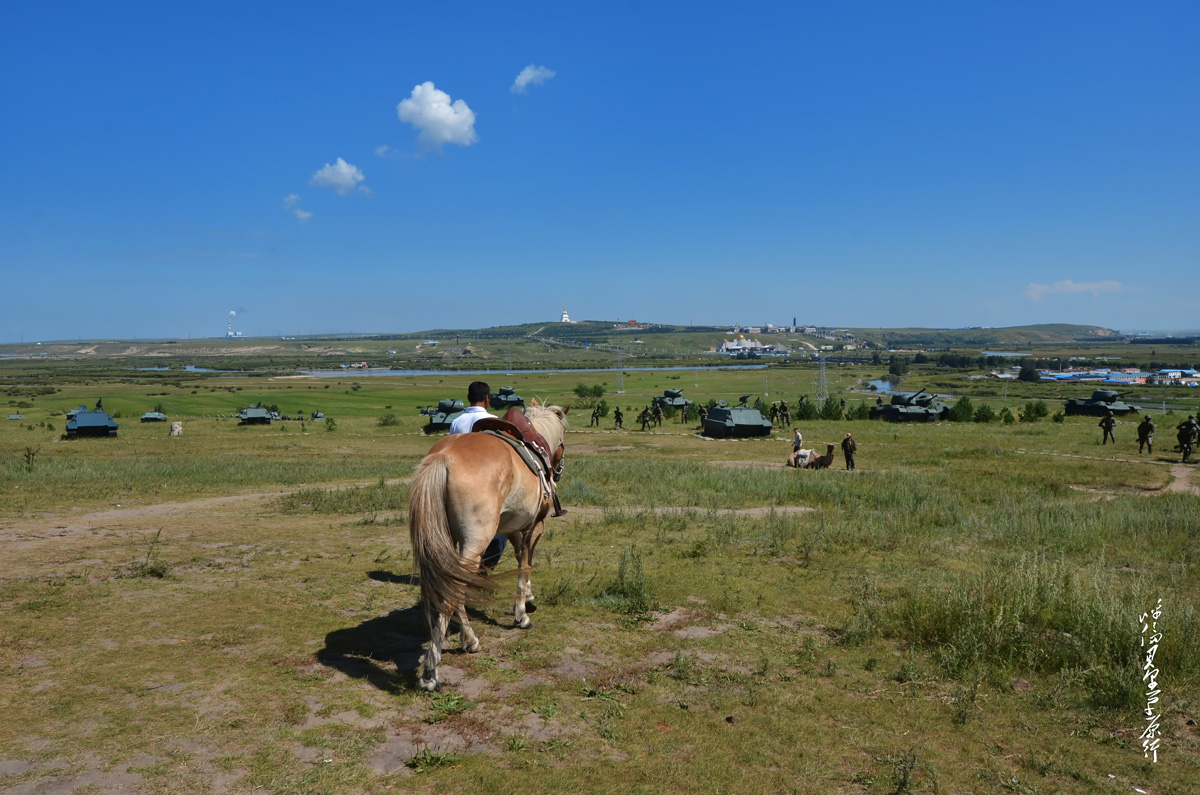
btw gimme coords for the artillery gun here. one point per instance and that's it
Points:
(919, 407)
(1100, 403)
(440, 416)
(724, 422)
(507, 398)
(97, 422)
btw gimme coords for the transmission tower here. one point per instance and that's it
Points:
(822, 384)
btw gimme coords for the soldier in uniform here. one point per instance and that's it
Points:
(644, 418)
(618, 417)
(656, 414)
(849, 448)
(773, 414)
(595, 416)
(1189, 433)
(1107, 424)
(703, 414)
(785, 414)
(1145, 432)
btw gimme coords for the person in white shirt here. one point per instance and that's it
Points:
(477, 398)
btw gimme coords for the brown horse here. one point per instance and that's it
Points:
(469, 489)
(821, 461)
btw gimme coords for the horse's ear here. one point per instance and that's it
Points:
(566, 408)
(535, 402)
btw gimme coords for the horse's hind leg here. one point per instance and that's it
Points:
(470, 643)
(433, 655)
(525, 604)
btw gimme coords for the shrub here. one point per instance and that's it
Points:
(1034, 411)
(387, 420)
(330, 425)
(1006, 416)
(831, 409)
(806, 411)
(984, 413)
(962, 411)
(859, 411)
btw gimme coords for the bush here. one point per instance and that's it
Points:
(984, 413)
(387, 420)
(1006, 416)
(1034, 411)
(831, 409)
(806, 411)
(859, 411)
(1058, 416)
(962, 411)
(330, 425)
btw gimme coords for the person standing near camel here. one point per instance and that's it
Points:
(849, 448)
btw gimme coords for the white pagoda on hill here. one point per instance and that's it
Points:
(565, 318)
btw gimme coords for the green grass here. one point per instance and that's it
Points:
(871, 643)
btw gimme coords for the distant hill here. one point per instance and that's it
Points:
(999, 338)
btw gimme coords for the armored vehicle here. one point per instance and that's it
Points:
(673, 397)
(317, 415)
(1101, 402)
(255, 415)
(442, 415)
(725, 422)
(506, 398)
(154, 416)
(81, 422)
(918, 407)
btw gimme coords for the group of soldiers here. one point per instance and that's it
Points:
(780, 414)
(1187, 434)
(650, 416)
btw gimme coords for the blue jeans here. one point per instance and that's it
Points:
(491, 555)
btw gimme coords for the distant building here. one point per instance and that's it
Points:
(565, 317)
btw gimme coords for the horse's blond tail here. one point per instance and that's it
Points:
(445, 582)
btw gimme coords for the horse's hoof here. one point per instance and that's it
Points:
(530, 607)
(472, 649)
(430, 685)
(525, 624)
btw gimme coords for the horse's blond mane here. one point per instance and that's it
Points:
(551, 421)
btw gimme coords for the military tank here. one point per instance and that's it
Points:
(918, 407)
(725, 422)
(81, 422)
(440, 416)
(1100, 403)
(506, 398)
(255, 415)
(673, 398)
(154, 416)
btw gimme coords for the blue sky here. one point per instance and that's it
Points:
(380, 167)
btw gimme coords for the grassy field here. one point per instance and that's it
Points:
(233, 610)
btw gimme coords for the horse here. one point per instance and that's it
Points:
(821, 461)
(470, 488)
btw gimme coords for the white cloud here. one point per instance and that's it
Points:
(382, 151)
(341, 177)
(302, 215)
(290, 201)
(439, 120)
(531, 75)
(1036, 292)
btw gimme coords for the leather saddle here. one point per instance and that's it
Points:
(518, 427)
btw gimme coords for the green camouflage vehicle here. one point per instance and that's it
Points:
(81, 422)
(1100, 403)
(506, 398)
(440, 416)
(911, 408)
(724, 422)
(154, 416)
(674, 398)
(255, 415)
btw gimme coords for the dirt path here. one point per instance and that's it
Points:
(1181, 481)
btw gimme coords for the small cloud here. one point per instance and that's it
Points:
(341, 177)
(365, 191)
(531, 75)
(439, 120)
(290, 201)
(1036, 292)
(302, 215)
(383, 151)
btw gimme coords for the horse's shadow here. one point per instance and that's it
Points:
(361, 652)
